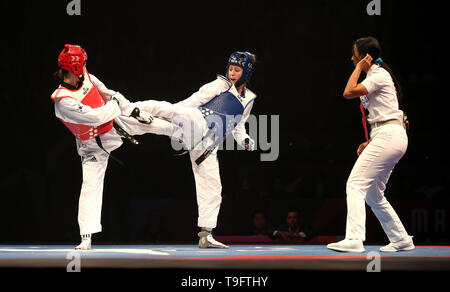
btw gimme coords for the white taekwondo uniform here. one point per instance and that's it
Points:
(88, 112)
(207, 175)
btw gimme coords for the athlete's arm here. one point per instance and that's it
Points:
(239, 132)
(205, 94)
(127, 108)
(102, 89)
(71, 111)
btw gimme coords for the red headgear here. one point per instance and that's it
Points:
(72, 58)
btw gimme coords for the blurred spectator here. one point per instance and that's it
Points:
(259, 223)
(294, 229)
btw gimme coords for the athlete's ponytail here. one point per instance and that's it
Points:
(59, 75)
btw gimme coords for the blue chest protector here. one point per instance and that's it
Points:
(224, 112)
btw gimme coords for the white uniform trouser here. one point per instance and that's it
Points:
(190, 122)
(90, 203)
(208, 187)
(94, 164)
(207, 175)
(368, 180)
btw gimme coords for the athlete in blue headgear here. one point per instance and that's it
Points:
(222, 98)
(240, 61)
(218, 109)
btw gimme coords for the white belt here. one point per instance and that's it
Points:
(379, 124)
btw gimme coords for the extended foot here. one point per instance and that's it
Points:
(347, 245)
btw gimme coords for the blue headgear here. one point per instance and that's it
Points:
(243, 60)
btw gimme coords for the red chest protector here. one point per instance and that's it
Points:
(88, 95)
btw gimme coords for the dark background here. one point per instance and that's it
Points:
(166, 52)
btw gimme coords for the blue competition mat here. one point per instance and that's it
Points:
(239, 257)
(192, 251)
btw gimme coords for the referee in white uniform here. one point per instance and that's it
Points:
(378, 155)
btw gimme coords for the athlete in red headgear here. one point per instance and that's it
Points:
(72, 58)
(98, 117)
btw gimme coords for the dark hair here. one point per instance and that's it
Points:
(371, 46)
(59, 75)
(259, 211)
(294, 210)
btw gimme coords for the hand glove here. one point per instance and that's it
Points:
(141, 116)
(120, 99)
(124, 104)
(249, 144)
